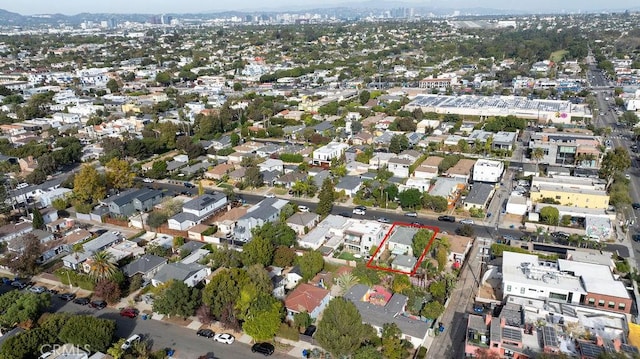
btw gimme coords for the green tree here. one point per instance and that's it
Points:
(88, 185)
(465, 230)
(177, 299)
(367, 352)
(81, 330)
(224, 289)
(22, 307)
(263, 318)
(253, 177)
(38, 221)
(410, 198)
(156, 219)
(164, 78)
(614, 162)
(345, 281)
(438, 290)
(340, 331)
(550, 215)
(326, 198)
(119, 174)
(258, 251)
(108, 290)
(25, 262)
(235, 139)
(432, 310)
(101, 266)
(398, 143)
(113, 86)
(302, 320)
(364, 97)
(279, 233)
(237, 86)
(420, 241)
(393, 347)
(284, 256)
(311, 263)
(400, 283)
(158, 169)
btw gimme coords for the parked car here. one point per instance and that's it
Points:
(411, 214)
(37, 289)
(466, 221)
(635, 205)
(360, 210)
(18, 284)
(131, 341)
(67, 296)
(82, 300)
(447, 218)
(346, 214)
(98, 304)
(6, 280)
(303, 208)
(147, 180)
(263, 348)
(636, 237)
(416, 224)
(207, 333)
(270, 195)
(129, 312)
(224, 338)
(189, 185)
(383, 220)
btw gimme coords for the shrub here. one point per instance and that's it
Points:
(288, 332)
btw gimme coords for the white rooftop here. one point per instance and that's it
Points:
(529, 269)
(596, 278)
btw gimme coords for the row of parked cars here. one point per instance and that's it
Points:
(226, 338)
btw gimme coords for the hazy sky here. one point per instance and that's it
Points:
(28, 7)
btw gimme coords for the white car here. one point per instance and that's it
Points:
(131, 341)
(270, 195)
(466, 221)
(37, 289)
(360, 211)
(147, 180)
(303, 208)
(224, 338)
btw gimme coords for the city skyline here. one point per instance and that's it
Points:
(72, 7)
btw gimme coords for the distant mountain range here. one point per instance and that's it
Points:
(352, 11)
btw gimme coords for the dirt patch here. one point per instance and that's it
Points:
(177, 321)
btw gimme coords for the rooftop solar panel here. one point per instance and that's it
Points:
(590, 350)
(512, 334)
(550, 337)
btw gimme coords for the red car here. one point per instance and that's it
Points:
(129, 312)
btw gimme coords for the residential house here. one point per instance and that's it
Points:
(307, 298)
(278, 281)
(17, 245)
(380, 159)
(349, 184)
(267, 210)
(448, 188)
(134, 200)
(361, 236)
(362, 138)
(268, 150)
(191, 274)
(463, 169)
(488, 171)
(11, 231)
(479, 196)
(504, 140)
(293, 276)
(428, 169)
(325, 154)
(328, 233)
(219, 171)
(404, 263)
(271, 165)
(401, 240)
(289, 179)
(303, 222)
(377, 307)
(47, 198)
(75, 260)
(221, 143)
(227, 221)
(206, 204)
(459, 248)
(147, 266)
(399, 167)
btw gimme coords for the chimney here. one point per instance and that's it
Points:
(599, 341)
(487, 319)
(503, 322)
(617, 343)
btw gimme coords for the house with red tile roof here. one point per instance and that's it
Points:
(307, 298)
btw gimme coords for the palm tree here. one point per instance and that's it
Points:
(537, 154)
(101, 266)
(345, 281)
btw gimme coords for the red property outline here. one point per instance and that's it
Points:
(424, 252)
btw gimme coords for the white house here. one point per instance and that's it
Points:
(206, 204)
(324, 154)
(488, 171)
(47, 197)
(399, 167)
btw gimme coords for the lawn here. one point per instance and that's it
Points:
(347, 256)
(557, 56)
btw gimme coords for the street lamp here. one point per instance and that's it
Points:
(69, 279)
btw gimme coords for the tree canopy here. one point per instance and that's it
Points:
(177, 299)
(341, 331)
